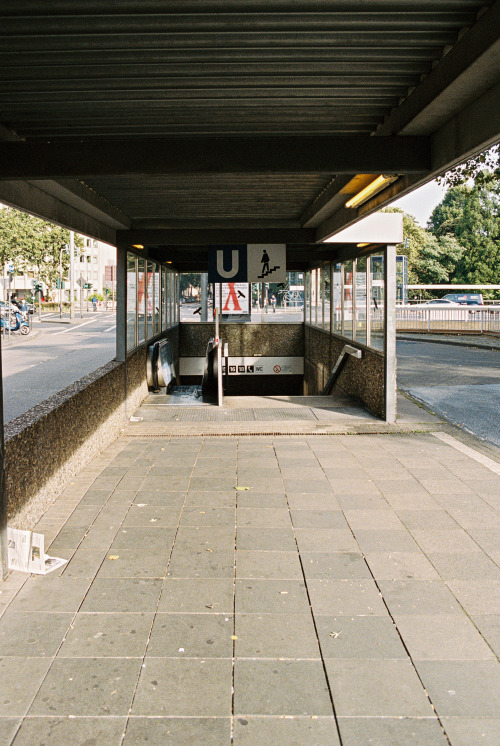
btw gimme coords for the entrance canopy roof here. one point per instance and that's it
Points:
(177, 125)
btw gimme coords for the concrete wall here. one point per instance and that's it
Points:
(363, 378)
(286, 340)
(248, 340)
(50, 443)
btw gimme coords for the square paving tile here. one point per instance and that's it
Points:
(251, 499)
(259, 564)
(467, 566)
(419, 597)
(345, 597)
(335, 565)
(197, 595)
(262, 518)
(209, 731)
(376, 688)
(477, 596)
(129, 563)
(280, 688)
(373, 520)
(266, 539)
(170, 499)
(425, 519)
(325, 540)
(191, 636)
(271, 596)
(442, 637)
(462, 688)
(385, 540)
(224, 499)
(363, 502)
(204, 563)
(252, 730)
(20, 679)
(489, 627)
(215, 538)
(307, 501)
(431, 540)
(8, 728)
(87, 686)
(61, 731)
(101, 635)
(275, 636)
(363, 637)
(32, 633)
(123, 595)
(206, 515)
(473, 731)
(400, 566)
(192, 688)
(50, 593)
(388, 731)
(318, 519)
(151, 515)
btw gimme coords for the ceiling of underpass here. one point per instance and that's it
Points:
(177, 125)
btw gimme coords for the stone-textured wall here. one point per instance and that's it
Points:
(363, 378)
(280, 340)
(50, 443)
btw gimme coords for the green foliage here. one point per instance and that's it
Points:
(483, 170)
(189, 280)
(30, 243)
(471, 214)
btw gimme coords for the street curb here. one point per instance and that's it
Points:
(456, 343)
(464, 436)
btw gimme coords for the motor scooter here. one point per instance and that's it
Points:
(14, 320)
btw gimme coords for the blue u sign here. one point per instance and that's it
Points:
(227, 264)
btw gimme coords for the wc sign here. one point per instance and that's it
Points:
(252, 263)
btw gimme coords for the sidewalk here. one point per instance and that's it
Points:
(283, 589)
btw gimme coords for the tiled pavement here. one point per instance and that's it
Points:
(347, 592)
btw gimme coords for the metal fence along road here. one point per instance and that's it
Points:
(479, 319)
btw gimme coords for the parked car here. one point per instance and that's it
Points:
(465, 299)
(441, 302)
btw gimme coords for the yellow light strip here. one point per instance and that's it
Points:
(137, 246)
(375, 186)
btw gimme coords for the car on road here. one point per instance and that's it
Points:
(465, 299)
(439, 302)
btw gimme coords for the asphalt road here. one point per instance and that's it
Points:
(461, 384)
(36, 367)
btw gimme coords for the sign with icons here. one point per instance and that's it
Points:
(252, 263)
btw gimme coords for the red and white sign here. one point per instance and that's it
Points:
(235, 297)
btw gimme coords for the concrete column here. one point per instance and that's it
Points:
(390, 332)
(204, 296)
(3, 496)
(121, 304)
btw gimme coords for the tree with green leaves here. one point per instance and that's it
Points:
(31, 244)
(471, 214)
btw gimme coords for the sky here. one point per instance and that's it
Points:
(422, 201)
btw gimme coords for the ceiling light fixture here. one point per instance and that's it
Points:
(376, 186)
(137, 246)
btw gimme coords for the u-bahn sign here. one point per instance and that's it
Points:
(252, 263)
